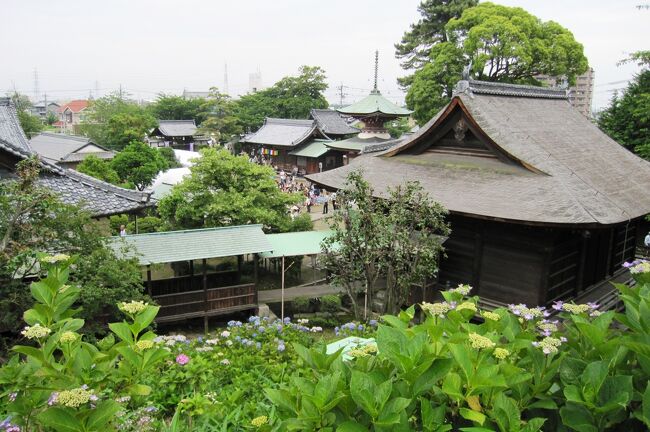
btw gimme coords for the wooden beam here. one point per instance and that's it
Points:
(149, 279)
(205, 296)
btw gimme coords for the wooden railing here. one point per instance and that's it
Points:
(203, 303)
(179, 284)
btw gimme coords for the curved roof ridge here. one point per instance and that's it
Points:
(507, 89)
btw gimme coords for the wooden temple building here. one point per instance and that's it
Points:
(289, 143)
(179, 134)
(543, 205)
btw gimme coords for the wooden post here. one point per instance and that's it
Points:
(240, 264)
(205, 296)
(149, 280)
(191, 275)
(584, 237)
(255, 276)
(282, 291)
(610, 251)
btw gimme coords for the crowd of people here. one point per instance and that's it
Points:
(313, 196)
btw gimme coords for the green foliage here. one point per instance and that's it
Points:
(397, 237)
(223, 190)
(138, 164)
(503, 44)
(330, 303)
(627, 119)
(170, 107)
(291, 97)
(147, 224)
(398, 127)
(220, 120)
(514, 371)
(98, 168)
(116, 221)
(33, 219)
(167, 153)
(30, 123)
(62, 382)
(415, 47)
(301, 304)
(114, 122)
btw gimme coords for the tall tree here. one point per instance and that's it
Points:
(291, 97)
(114, 121)
(138, 164)
(398, 237)
(414, 50)
(503, 44)
(220, 121)
(98, 168)
(627, 119)
(223, 190)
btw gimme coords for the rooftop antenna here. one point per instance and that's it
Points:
(374, 89)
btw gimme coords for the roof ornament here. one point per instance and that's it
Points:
(466, 71)
(375, 89)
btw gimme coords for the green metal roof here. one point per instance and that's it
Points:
(295, 243)
(314, 149)
(375, 103)
(173, 246)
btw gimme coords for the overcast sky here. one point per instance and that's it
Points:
(152, 46)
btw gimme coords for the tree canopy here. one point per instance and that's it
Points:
(30, 123)
(220, 121)
(139, 164)
(170, 107)
(501, 43)
(627, 119)
(114, 122)
(223, 190)
(291, 97)
(415, 47)
(98, 168)
(397, 238)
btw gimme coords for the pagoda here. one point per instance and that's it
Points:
(373, 111)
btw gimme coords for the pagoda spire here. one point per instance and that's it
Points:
(375, 89)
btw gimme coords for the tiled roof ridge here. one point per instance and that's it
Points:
(289, 122)
(137, 196)
(177, 121)
(471, 87)
(66, 136)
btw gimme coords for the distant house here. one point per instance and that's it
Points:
(39, 109)
(195, 94)
(99, 198)
(179, 134)
(67, 150)
(71, 115)
(287, 143)
(333, 124)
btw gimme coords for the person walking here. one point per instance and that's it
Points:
(325, 199)
(333, 199)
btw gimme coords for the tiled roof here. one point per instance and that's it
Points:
(375, 103)
(313, 149)
(176, 128)
(59, 147)
(75, 106)
(562, 169)
(331, 122)
(284, 132)
(174, 246)
(98, 197)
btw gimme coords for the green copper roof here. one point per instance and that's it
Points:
(312, 150)
(295, 243)
(375, 103)
(174, 246)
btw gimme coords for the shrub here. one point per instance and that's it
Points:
(330, 303)
(301, 305)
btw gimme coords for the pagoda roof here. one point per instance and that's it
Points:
(175, 128)
(375, 103)
(529, 157)
(332, 122)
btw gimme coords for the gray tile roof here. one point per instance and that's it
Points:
(174, 246)
(284, 132)
(566, 170)
(10, 130)
(98, 197)
(176, 128)
(59, 147)
(332, 122)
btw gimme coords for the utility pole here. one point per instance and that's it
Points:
(341, 94)
(96, 89)
(36, 92)
(47, 113)
(120, 92)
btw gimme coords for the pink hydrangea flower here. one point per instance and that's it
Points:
(182, 359)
